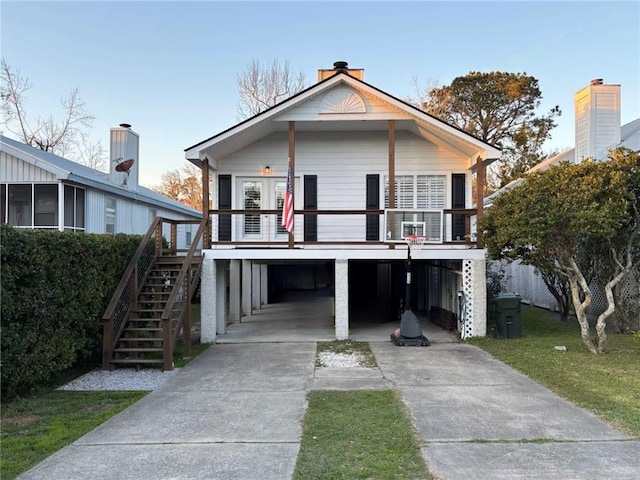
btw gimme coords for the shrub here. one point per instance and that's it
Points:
(55, 289)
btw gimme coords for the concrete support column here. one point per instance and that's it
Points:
(246, 287)
(208, 301)
(342, 299)
(221, 297)
(264, 284)
(235, 288)
(255, 286)
(479, 275)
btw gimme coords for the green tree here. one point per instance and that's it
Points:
(577, 220)
(499, 108)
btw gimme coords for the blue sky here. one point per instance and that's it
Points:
(170, 68)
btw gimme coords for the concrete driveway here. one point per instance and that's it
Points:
(235, 413)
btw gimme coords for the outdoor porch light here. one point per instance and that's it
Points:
(266, 170)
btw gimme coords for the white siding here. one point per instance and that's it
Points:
(13, 169)
(310, 109)
(597, 113)
(341, 160)
(131, 217)
(95, 221)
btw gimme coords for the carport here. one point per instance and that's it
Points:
(333, 294)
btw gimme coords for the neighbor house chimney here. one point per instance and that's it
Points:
(339, 67)
(124, 147)
(597, 111)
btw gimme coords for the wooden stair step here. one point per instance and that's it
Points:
(142, 329)
(139, 339)
(136, 360)
(137, 350)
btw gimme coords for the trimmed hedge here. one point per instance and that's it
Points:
(55, 289)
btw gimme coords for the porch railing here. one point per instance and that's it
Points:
(161, 238)
(341, 227)
(176, 314)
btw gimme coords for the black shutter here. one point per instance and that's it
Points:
(310, 203)
(458, 201)
(373, 203)
(224, 203)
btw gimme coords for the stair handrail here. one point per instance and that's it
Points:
(126, 294)
(169, 330)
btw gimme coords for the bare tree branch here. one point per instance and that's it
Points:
(64, 136)
(261, 87)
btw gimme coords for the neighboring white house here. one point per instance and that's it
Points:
(597, 130)
(368, 170)
(44, 191)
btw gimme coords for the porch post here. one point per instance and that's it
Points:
(206, 241)
(255, 286)
(208, 308)
(264, 284)
(61, 208)
(292, 165)
(342, 299)
(221, 297)
(246, 287)
(392, 164)
(235, 288)
(480, 181)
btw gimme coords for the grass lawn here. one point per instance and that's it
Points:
(39, 425)
(35, 427)
(608, 385)
(358, 434)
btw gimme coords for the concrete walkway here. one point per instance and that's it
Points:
(235, 413)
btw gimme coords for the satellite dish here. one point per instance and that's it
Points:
(125, 166)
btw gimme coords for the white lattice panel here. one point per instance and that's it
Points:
(466, 329)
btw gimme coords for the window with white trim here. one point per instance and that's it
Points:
(110, 214)
(74, 198)
(252, 200)
(418, 191)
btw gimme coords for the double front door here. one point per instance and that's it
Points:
(262, 194)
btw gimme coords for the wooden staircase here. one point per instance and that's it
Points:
(142, 337)
(150, 308)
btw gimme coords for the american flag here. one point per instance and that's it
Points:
(287, 208)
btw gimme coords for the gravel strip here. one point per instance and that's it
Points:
(340, 360)
(124, 379)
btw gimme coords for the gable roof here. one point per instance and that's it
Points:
(259, 126)
(629, 138)
(65, 169)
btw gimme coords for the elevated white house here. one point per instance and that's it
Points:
(368, 169)
(44, 191)
(597, 130)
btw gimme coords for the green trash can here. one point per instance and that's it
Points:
(507, 314)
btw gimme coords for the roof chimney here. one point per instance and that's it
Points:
(340, 67)
(597, 111)
(124, 154)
